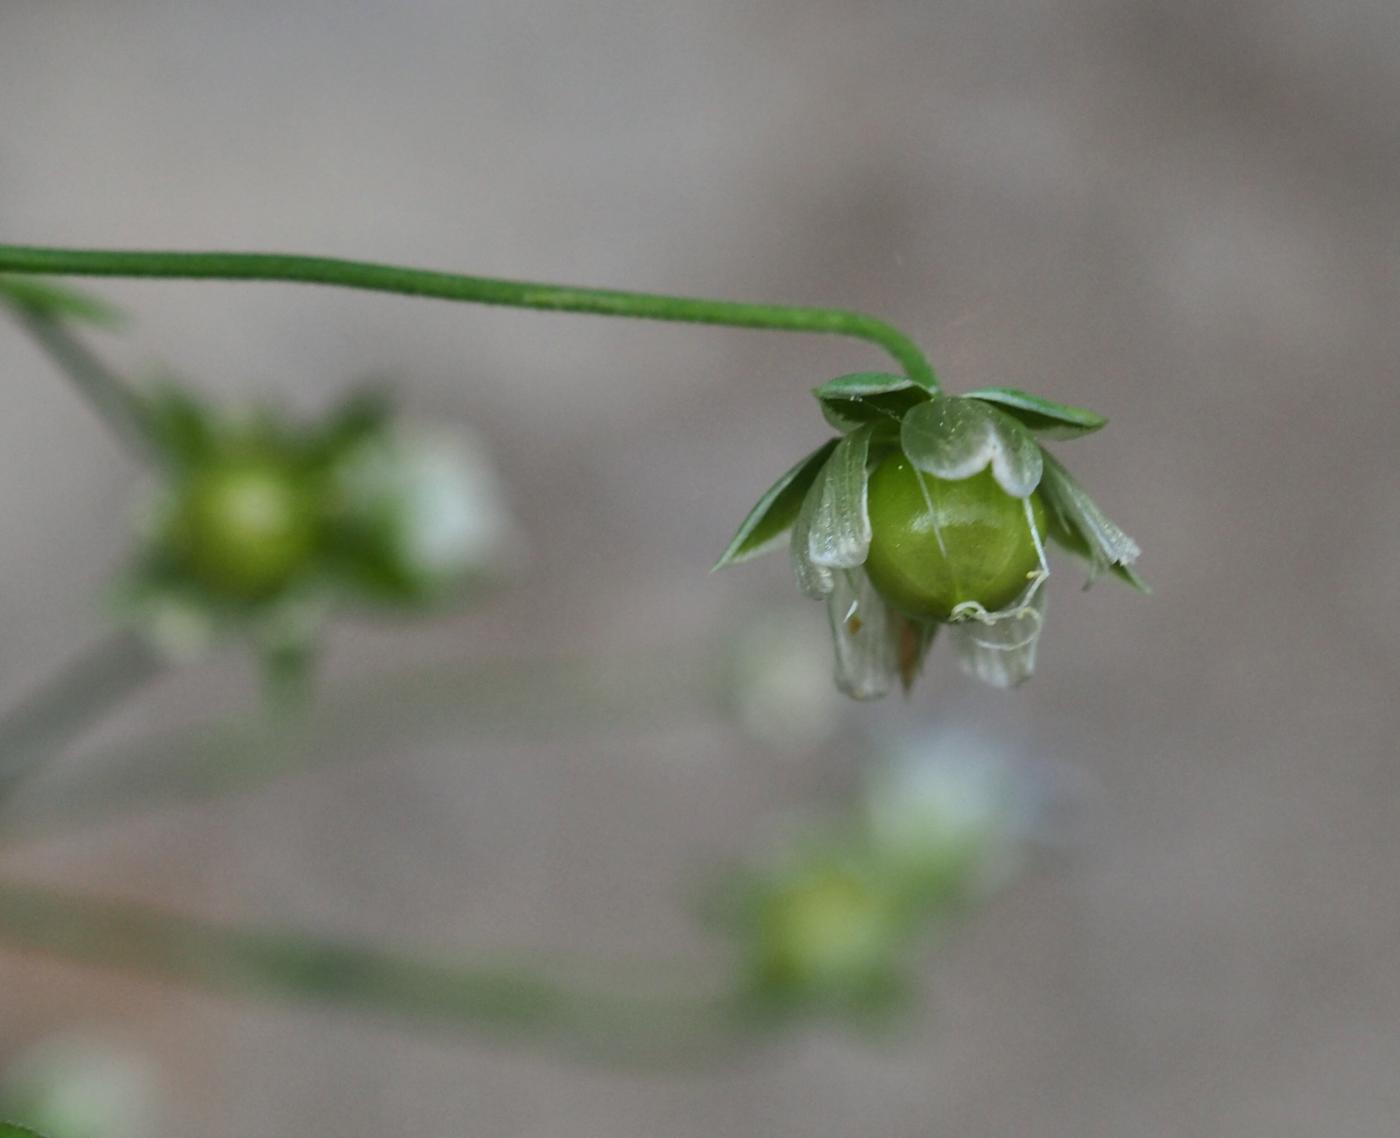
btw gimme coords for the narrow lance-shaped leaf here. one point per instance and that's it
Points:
(60, 302)
(1044, 416)
(840, 526)
(956, 438)
(1078, 524)
(776, 511)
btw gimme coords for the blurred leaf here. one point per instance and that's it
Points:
(184, 429)
(362, 416)
(776, 511)
(60, 302)
(10, 1130)
(1045, 416)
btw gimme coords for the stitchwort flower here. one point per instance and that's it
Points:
(932, 510)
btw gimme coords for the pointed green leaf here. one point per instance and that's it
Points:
(955, 438)
(1045, 416)
(776, 511)
(850, 401)
(1071, 541)
(59, 302)
(839, 537)
(1078, 524)
(859, 384)
(866, 635)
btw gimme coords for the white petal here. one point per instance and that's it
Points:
(839, 537)
(866, 636)
(999, 648)
(815, 581)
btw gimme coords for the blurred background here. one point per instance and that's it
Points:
(1183, 215)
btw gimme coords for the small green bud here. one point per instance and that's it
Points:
(244, 526)
(937, 543)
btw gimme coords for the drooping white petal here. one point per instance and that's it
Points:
(956, 438)
(839, 537)
(866, 635)
(999, 648)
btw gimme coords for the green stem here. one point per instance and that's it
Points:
(67, 703)
(106, 391)
(336, 973)
(478, 290)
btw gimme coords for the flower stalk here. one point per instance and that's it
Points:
(470, 289)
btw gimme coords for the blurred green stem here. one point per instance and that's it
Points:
(106, 391)
(478, 290)
(336, 973)
(68, 702)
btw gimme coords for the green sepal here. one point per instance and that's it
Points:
(955, 438)
(1072, 542)
(776, 511)
(1044, 416)
(851, 401)
(1077, 524)
(60, 302)
(360, 417)
(184, 430)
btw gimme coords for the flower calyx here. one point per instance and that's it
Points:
(932, 510)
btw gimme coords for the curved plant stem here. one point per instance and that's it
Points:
(282, 965)
(106, 391)
(478, 290)
(68, 702)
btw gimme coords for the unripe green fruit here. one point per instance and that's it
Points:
(936, 544)
(244, 526)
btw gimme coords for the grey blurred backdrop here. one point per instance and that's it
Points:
(1182, 214)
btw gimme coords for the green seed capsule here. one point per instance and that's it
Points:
(244, 527)
(936, 543)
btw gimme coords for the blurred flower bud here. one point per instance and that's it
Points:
(828, 934)
(78, 1087)
(421, 512)
(244, 525)
(948, 815)
(263, 526)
